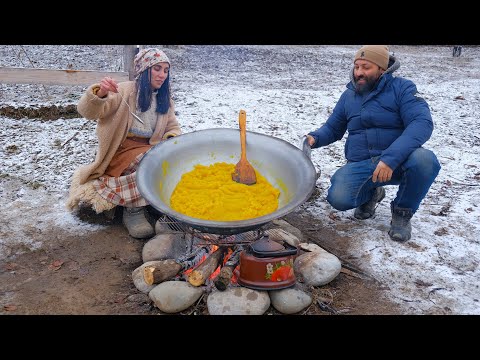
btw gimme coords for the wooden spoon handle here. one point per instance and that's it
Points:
(242, 121)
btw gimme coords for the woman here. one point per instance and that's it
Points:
(125, 133)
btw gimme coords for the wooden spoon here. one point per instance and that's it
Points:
(244, 172)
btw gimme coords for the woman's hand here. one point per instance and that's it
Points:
(106, 85)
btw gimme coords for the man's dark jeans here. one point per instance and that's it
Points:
(352, 186)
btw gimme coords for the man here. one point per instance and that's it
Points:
(387, 122)
(457, 51)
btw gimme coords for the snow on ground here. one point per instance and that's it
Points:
(286, 92)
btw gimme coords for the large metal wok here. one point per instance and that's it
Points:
(285, 166)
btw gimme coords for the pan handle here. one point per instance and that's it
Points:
(306, 148)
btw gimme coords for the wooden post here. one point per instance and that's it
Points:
(129, 52)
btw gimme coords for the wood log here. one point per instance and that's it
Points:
(226, 272)
(165, 270)
(203, 271)
(190, 260)
(224, 277)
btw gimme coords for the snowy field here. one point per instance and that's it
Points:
(286, 91)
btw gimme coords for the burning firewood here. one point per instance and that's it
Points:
(225, 276)
(162, 271)
(192, 259)
(200, 275)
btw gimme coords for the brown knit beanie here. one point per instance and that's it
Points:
(378, 54)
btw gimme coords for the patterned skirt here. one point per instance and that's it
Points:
(119, 185)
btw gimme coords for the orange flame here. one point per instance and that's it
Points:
(225, 259)
(188, 271)
(217, 270)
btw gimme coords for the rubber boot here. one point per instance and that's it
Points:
(367, 210)
(400, 226)
(136, 223)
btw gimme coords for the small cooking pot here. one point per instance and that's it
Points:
(267, 265)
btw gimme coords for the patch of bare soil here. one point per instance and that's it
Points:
(42, 112)
(354, 291)
(91, 274)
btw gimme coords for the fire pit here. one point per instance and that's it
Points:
(250, 258)
(243, 273)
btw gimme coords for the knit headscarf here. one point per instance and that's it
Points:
(146, 58)
(378, 54)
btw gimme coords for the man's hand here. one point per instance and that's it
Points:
(382, 173)
(310, 140)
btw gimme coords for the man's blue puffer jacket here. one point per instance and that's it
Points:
(390, 122)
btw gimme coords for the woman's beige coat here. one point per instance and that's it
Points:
(113, 121)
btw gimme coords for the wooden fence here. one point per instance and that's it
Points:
(13, 75)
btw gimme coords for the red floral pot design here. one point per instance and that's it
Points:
(267, 273)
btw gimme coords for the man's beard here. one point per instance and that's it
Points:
(367, 86)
